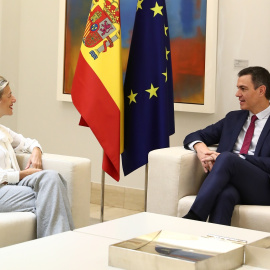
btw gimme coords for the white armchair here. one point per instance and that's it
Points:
(17, 227)
(174, 178)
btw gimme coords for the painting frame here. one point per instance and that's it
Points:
(61, 53)
(210, 61)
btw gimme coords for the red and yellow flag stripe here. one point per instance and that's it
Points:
(97, 90)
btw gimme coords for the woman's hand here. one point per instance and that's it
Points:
(27, 172)
(35, 160)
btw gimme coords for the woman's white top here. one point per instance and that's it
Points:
(11, 143)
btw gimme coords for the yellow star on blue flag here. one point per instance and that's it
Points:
(152, 91)
(132, 97)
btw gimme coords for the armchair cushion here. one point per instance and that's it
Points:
(17, 227)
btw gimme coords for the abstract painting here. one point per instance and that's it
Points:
(187, 27)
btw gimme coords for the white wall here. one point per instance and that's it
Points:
(31, 64)
(9, 49)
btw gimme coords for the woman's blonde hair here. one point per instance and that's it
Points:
(3, 84)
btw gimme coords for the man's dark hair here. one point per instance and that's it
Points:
(259, 76)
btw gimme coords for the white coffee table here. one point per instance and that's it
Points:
(143, 223)
(87, 248)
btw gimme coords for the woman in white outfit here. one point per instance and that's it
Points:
(32, 189)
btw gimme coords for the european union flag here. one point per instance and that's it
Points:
(148, 87)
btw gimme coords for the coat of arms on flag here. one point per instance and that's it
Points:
(99, 27)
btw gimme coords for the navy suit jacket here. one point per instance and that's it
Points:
(225, 133)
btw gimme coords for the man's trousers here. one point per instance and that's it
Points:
(232, 181)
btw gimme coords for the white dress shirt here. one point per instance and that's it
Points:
(11, 143)
(259, 125)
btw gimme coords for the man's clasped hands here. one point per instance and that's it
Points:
(206, 156)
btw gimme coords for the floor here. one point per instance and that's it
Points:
(109, 213)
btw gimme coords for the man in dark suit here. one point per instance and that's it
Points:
(239, 171)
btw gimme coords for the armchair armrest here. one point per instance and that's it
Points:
(172, 174)
(77, 173)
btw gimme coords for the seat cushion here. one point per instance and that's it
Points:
(184, 205)
(254, 217)
(17, 227)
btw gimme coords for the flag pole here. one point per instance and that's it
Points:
(102, 195)
(145, 187)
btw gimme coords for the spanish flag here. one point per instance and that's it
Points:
(97, 88)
